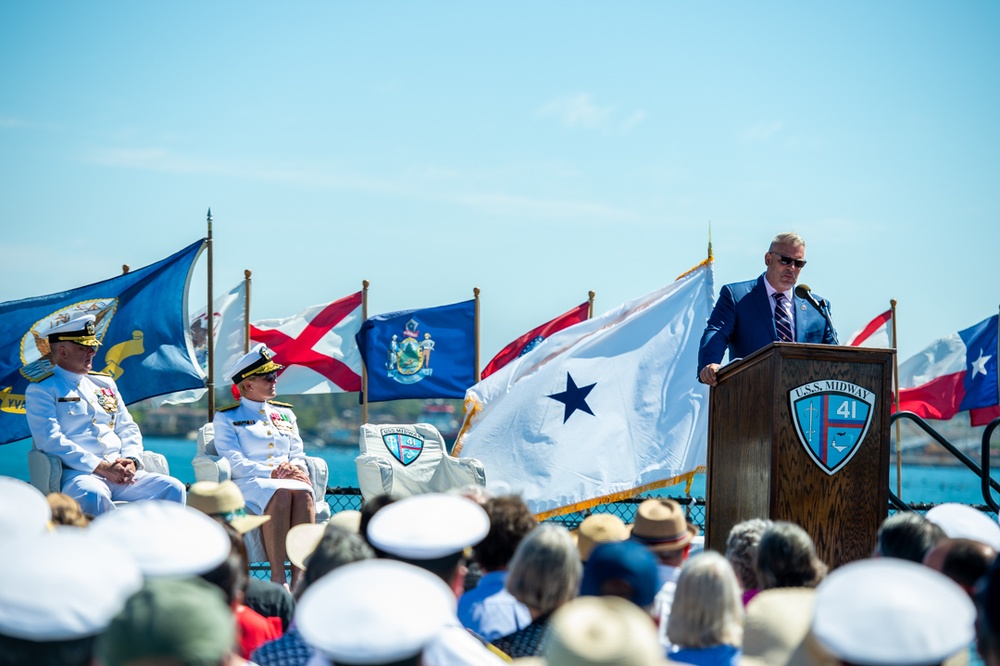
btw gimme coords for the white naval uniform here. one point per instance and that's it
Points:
(83, 420)
(256, 437)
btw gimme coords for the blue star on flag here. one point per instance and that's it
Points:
(574, 398)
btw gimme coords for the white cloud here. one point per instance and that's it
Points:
(763, 131)
(576, 111)
(633, 120)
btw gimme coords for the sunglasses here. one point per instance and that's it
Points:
(269, 377)
(788, 261)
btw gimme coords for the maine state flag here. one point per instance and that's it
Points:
(141, 320)
(429, 353)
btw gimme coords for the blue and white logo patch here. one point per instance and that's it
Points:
(831, 419)
(404, 444)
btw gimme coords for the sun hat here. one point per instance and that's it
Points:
(626, 562)
(960, 521)
(601, 631)
(302, 540)
(660, 525)
(372, 626)
(892, 611)
(255, 362)
(181, 619)
(51, 587)
(165, 538)
(777, 624)
(427, 527)
(598, 528)
(24, 510)
(225, 501)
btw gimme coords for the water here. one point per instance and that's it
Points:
(921, 483)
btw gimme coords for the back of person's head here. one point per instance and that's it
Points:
(786, 557)
(66, 511)
(707, 609)
(741, 550)
(22, 652)
(510, 521)
(233, 574)
(545, 570)
(963, 560)
(369, 509)
(907, 536)
(336, 548)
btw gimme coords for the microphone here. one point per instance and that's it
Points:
(804, 292)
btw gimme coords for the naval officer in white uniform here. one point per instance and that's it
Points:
(261, 440)
(79, 416)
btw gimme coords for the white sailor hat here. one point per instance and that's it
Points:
(892, 611)
(255, 362)
(959, 521)
(348, 617)
(165, 538)
(428, 527)
(24, 511)
(52, 587)
(81, 330)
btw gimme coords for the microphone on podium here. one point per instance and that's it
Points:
(804, 292)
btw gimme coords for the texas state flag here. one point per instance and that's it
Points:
(954, 374)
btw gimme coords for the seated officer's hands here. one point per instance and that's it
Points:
(287, 470)
(120, 471)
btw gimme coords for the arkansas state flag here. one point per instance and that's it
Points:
(954, 374)
(529, 340)
(141, 320)
(878, 333)
(316, 346)
(429, 353)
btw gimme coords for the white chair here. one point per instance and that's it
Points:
(410, 459)
(45, 470)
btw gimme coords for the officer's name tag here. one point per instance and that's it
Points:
(244, 423)
(77, 399)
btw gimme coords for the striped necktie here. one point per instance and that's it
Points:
(782, 323)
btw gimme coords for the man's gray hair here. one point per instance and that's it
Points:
(787, 238)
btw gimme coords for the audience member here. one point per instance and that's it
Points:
(741, 551)
(960, 521)
(965, 561)
(706, 622)
(598, 528)
(489, 610)
(337, 546)
(987, 598)
(908, 536)
(24, 510)
(543, 575)
(776, 628)
(623, 569)
(369, 509)
(66, 511)
(892, 611)
(786, 557)
(54, 602)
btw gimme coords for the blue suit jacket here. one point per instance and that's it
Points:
(743, 322)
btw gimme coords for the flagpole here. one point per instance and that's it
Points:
(475, 293)
(364, 368)
(590, 304)
(246, 313)
(210, 321)
(895, 381)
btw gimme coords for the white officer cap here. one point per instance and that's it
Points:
(165, 538)
(892, 611)
(374, 612)
(255, 362)
(427, 527)
(959, 521)
(63, 585)
(82, 330)
(24, 511)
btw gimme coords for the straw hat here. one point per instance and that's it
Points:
(777, 627)
(661, 526)
(601, 631)
(224, 500)
(598, 528)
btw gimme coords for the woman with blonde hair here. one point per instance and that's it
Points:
(706, 619)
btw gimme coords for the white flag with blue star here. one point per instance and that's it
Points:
(605, 409)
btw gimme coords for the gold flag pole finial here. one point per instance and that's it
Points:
(710, 255)
(590, 303)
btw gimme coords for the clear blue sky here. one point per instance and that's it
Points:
(535, 150)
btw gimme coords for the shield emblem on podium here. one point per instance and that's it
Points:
(404, 447)
(831, 420)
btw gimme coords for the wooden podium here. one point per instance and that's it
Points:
(761, 412)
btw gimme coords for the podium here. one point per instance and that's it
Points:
(800, 433)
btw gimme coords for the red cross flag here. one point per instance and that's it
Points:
(316, 346)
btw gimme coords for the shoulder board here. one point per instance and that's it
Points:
(102, 374)
(228, 407)
(279, 404)
(41, 377)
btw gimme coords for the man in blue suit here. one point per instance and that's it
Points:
(745, 319)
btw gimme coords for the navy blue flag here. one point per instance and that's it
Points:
(141, 323)
(428, 353)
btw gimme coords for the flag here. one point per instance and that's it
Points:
(529, 340)
(228, 330)
(317, 347)
(602, 410)
(141, 323)
(954, 374)
(878, 333)
(428, 353)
